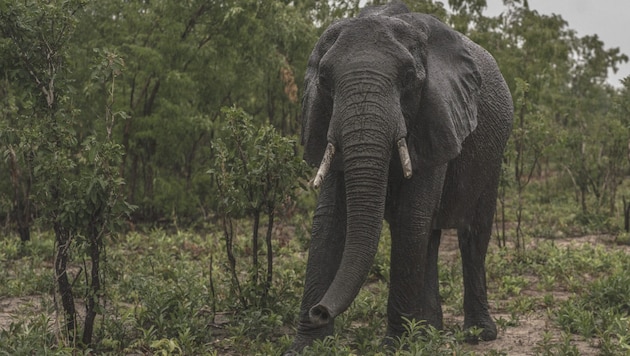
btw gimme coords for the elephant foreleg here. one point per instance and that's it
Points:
(406, 280)
(325, 251)
(413, 292)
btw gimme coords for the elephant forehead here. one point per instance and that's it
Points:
(375, 30)
(376, 41)
(363, 58)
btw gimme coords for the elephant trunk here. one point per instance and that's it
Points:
(367, 149)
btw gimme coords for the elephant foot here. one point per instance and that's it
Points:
(434, 319)
(390, 345)
(484, 331)
(392, 340)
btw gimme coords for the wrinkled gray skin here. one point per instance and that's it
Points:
(372, 80)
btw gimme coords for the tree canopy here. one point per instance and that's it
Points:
(182, 62)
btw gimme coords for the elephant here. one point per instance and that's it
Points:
(407, 120)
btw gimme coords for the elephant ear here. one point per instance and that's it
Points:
(316, 106)
(448, 107)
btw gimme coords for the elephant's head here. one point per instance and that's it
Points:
(372, 84)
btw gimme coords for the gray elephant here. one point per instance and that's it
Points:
(407, 120)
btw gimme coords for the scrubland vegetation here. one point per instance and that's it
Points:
(153, 200)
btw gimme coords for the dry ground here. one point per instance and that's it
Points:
(522, 339)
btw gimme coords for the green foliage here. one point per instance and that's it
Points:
(420, 339)
(255, 171)
(183, 62)
(74, 177)
(31, 337)
(562, 111)
(547, 346)
(255, 168)
(530, 141)
(602, 312)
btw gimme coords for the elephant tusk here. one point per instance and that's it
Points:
(405, 160)
(324, 166)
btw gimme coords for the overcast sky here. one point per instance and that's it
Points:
(606, 18)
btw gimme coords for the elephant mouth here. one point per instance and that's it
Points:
(329, 154)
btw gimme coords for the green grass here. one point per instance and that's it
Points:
(171, 293)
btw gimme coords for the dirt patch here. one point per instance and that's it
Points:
(23, 309)
(528, 336)
(608, 242)
(12, 308)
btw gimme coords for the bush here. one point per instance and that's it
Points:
(255, 170)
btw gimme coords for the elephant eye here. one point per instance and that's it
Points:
(410, 78)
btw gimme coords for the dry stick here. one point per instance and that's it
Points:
(255, 246)
(270, 213)
(212, 292)
(625, 217)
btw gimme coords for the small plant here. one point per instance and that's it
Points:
(512, 285)
(503, 323)
(331, 345)
(602, 312)
(547, 282)
(623, 238)
(522, 304)
(422, 339)
(549, 300)
(549, 347)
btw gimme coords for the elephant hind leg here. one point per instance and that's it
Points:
(473, 245)
(431, 302)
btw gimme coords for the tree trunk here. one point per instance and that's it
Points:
(255, 247)
(268, 237)
(64, 240)
(94, 287)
